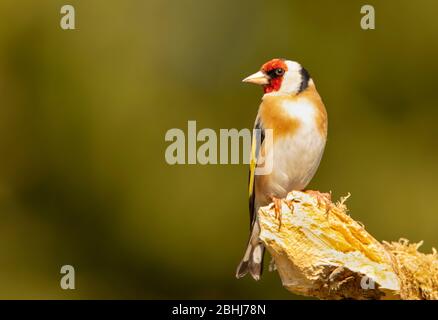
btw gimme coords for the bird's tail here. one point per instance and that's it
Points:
(252, 261)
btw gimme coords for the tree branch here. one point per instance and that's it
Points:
(321, 251)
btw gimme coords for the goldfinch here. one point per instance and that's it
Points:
(293, 109)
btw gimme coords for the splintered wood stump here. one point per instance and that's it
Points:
(320, 251)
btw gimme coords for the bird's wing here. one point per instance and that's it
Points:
(257, 140)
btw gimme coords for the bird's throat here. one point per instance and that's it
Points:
(273, 86)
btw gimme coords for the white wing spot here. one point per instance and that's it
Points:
(257, 254)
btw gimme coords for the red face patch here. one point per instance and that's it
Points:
(276, 80)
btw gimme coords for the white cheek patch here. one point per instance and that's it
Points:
(291, 82)
(292, 78)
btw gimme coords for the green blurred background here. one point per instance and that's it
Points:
(83, 114)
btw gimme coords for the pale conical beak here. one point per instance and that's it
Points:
(257, 78)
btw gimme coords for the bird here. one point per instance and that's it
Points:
(292, 109)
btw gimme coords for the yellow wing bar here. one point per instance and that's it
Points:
(252, 165)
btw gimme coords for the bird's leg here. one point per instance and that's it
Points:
(290, 204)
(277, 209)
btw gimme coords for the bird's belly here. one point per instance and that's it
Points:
(295, 161)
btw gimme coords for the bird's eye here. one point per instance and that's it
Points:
(279, 72)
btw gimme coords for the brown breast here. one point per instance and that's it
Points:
(274, 116)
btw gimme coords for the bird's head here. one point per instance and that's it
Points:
(281, 76)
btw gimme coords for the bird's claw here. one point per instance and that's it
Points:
(323, 199)
(277, 209)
